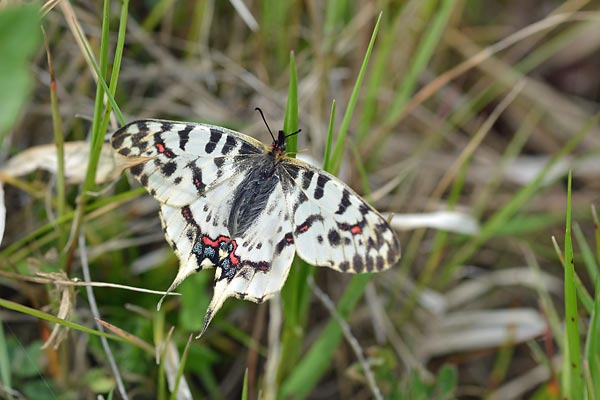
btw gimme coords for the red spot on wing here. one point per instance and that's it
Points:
(214, 243)
(289, 239)
(187, 213)
(303, 228)
(356, 229)
(234, 259)
(160, 147)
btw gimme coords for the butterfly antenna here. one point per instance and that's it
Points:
(292, 134)
(265, 121)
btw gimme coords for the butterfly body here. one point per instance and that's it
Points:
(230, 202)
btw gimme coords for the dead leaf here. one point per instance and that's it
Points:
(76, 160)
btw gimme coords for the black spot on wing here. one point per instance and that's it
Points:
(320, 189)
(369, 260)
(137, 169)
(118, 137)
(169, 168)
(197, 177)
(344, 202)
(125, 151)
(229, 145)
(306, 178)
(166, 126)
(358, 263)
(364, 209)
(302, 198)
(184, 136)
(334, 237)
(379, 263)
(144, 179)
(141, 125)
(219, 161)
(287, 240)
(344, 266)
(303, 227)
(177, 180)
(215, 136)
(391, 256)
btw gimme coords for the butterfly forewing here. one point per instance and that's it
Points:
(230, 202)
(177, 162)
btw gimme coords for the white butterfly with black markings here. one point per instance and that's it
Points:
(233, 203)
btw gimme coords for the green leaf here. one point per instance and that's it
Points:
(447, 380)
(20, 37)
(24, 360)
(194, 300)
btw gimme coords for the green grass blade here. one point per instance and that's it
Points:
(116, 68)
(592, 347)
(572, 373)
(296, 293)
(290, 123)
(51, 318)
(245, 386)
(338, 150)
(102, 83)
(425, 50)
(317, 361)
(596, 233)
(327, 157)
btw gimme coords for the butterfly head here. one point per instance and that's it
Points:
(278, 145)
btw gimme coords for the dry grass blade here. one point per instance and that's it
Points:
(540, 26)
(127, 336)
(350, 338)
(96, 314)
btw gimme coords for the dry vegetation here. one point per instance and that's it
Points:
(475, 108)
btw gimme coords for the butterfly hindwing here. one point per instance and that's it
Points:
(260, 258)
(335, 227)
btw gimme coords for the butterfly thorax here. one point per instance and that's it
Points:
(250, 198)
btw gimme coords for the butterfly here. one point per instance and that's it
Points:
(230, 202)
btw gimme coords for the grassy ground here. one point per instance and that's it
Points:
(479, 109)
